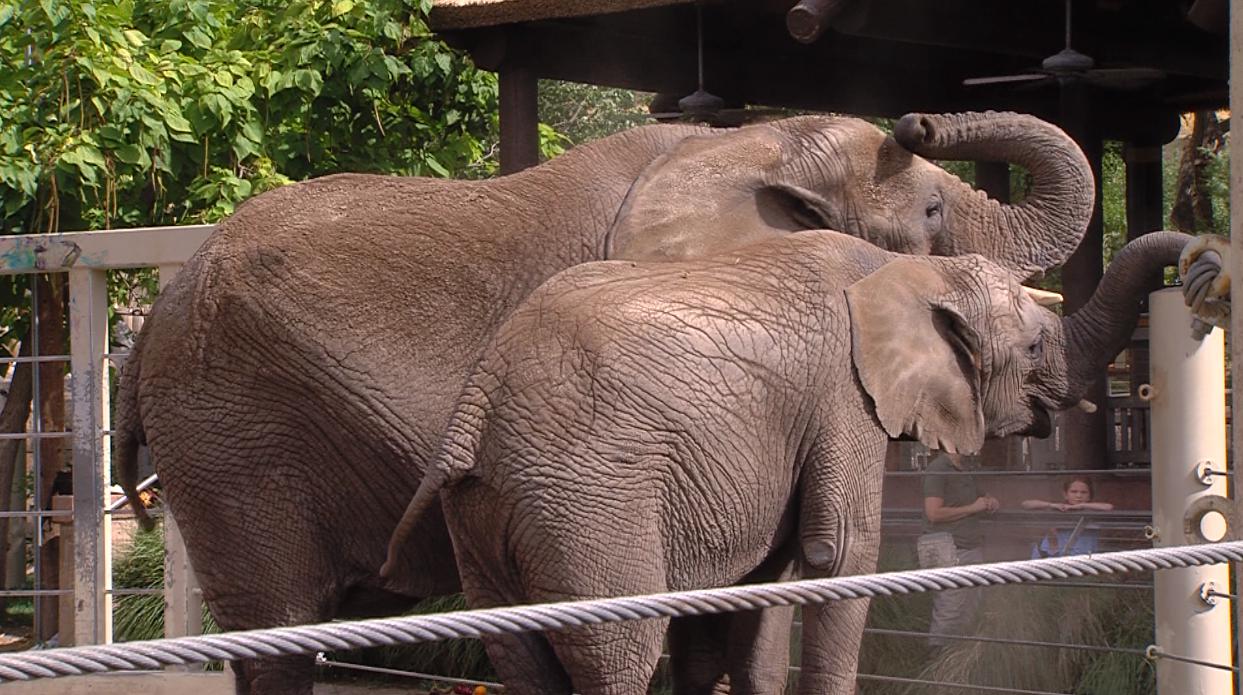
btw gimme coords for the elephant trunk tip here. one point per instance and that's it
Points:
(387, 569)
(914, 130)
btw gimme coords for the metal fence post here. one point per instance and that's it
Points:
(1188, 461)
(92, 528)
(183, 604)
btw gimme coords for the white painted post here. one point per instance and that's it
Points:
(183, 604)
(1188, 432)
(1235, 267)
(92, 528)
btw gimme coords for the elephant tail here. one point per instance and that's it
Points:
(458, 456)
(129, 434)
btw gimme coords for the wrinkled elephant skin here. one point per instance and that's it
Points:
(294, 379)
(646, 427)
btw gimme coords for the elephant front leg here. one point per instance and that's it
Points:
(759, 651)
(839, 533)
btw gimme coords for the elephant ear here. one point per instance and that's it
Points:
(917, 356)
(712, 193)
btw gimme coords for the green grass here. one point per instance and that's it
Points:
(142, 567)
(142, 617)
(1109, 617)
(457, 658)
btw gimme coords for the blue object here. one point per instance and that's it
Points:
(1087, 543)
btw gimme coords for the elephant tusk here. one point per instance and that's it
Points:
(1087, 406)
(1043, 297)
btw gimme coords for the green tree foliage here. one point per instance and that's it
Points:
(582, 112)
(132, 112)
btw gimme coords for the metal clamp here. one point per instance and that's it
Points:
(1205, 473)
(1209, 594)
(1201, 507)
(1153, 652)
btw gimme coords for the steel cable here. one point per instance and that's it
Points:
(309, 639)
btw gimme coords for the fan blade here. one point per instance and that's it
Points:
(1003, 79)
(1124, 78)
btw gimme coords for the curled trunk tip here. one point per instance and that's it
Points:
(914, 130)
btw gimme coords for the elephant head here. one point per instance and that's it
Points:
(953, 351)
(719, 191)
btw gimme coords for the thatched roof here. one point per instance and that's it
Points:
(464, 14)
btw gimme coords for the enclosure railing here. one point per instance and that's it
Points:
(86, 258)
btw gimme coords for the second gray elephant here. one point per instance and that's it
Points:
(295, 378)
(640, 428)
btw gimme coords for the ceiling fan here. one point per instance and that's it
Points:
(702, 106)
(1069, 65)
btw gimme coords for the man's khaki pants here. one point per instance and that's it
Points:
(953, 610)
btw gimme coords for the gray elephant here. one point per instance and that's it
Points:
(294, 380)
(646, 427)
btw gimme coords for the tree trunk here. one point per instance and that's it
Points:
(13, 418)
(1192, 212)
(52, 341)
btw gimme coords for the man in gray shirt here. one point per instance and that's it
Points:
(952, 536)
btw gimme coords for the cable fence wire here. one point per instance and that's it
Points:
(1001, 640)
(321, 660)
(309, 639)
(959, 686)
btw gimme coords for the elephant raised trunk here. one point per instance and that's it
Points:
(1098, 331)
(722, 191)
(1045, 228)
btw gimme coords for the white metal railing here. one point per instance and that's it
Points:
(86, 257)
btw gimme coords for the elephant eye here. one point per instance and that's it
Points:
(933, 209)
(1035, 350)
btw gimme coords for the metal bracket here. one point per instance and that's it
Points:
(1205, 473)
(45, 255)
(1209, 594)
(1202, 506)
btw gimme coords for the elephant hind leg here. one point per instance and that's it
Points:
(697, 654)
(527, 665)
(611, 658)
(290, 675)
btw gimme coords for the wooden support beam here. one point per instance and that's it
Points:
(807, 20)
(994, 179)
(1084, 433)
(1144, 189)
(1144, 213)
(519, 118)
